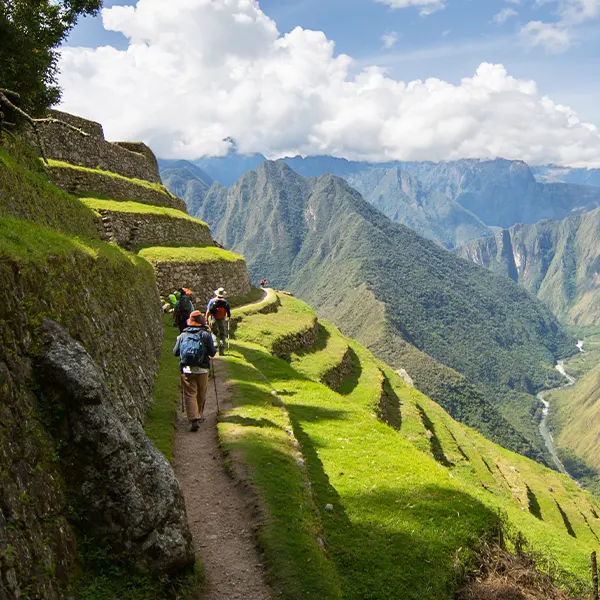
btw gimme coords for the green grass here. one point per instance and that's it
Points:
(267, 330)
(32, 243)
(330, 349)
(270, 298)
(160, 423)
(157, 187)
(206, 254)
(257, 432)
(136, 207)
(410, 502)
(27, 194)
(255, 296)
(106, 579)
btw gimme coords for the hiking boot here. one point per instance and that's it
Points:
(195, 425)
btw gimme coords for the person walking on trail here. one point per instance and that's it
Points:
(183, 309)
(195, 347)
(220, 312)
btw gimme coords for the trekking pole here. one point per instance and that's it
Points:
(182, 405)
(215, 382)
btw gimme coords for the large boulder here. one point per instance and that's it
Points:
(126, 490)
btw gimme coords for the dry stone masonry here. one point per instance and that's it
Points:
(203, 278)
(85, 146)
(85, 181)
(131, 229)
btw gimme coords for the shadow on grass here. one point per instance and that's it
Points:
(322, 340)
(248, 421)
(390, 406)
(377, 558)
(353, 377)
(436, 447)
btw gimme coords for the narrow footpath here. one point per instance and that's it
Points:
(219, 509)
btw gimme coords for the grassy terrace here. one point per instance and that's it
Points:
(408, 503)
(157, 187)
(202, 255)
(138, 208)
(27, 194)
(330, 349)
(266, 330)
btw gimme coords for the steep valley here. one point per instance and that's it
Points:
(558, 261)
(399, 294)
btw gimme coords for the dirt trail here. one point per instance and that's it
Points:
(219, 510)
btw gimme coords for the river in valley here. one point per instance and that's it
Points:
(548, 439)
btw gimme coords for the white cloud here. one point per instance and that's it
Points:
(198, 71)
(504, 15)
(389, 39)
(558, 36)
(427, 7)
(553, 37)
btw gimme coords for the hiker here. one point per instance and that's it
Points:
(182, 311)
(195, 348)
(219, 310)
(263, 283)
(173, 299)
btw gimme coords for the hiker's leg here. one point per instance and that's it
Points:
(189, 385)
(202, 383)
(221, 336)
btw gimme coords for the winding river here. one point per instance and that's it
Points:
(548, 439)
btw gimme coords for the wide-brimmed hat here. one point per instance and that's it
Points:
(196, 319)
(220, 293)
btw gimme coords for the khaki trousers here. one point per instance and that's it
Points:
(194, 394)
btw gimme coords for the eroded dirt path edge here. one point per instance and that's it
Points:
(219, 508)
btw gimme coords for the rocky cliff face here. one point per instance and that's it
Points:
(403, 198)
(559, 261)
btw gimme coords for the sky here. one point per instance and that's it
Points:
(362, 79)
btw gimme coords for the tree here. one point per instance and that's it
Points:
(30, 33)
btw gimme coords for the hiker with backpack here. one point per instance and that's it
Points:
(195, 347)
(183, 309)
(219, 310)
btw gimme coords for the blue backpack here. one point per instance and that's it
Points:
(191, 350)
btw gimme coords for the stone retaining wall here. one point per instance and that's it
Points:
(79, 181)
(294, 342)
(131, 230)
(203, 278)
(334, 378)
(80, 148)
(110, 306)
(90, 127)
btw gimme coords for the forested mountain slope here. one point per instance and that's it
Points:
(403, 198)
(187, 181)
(389, 287)
(559, 261)
(449, 202)
(384, 495)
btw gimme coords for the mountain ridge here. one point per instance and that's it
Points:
(320, 239)
(558, 261)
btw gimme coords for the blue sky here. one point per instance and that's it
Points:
(448, 44)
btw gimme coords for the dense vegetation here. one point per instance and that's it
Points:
(30, 33)
(575, 417)
(558, 261)
(397, 292)
(366, 508)
(405, 199)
